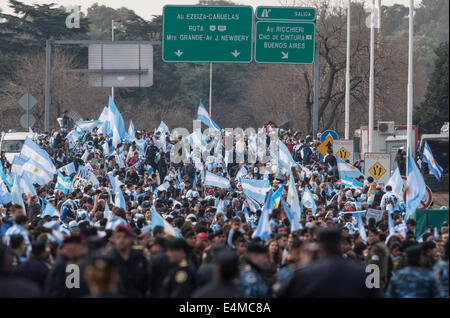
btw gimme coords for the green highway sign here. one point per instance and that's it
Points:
(284, 42)
(286, 13)
(207, 34)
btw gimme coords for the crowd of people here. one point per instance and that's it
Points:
(167, 234)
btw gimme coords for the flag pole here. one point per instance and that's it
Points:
(409, 146)
(347, 77)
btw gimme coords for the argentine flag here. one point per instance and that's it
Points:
(428, 157)
(263, 228)
(37, 173)
(351, 183)
(63, 183)
(415, 187)
(215, 181)
(347, 170)
(292, 216)
(158, 220)
(255, 189)
(49, 210)
(31, 150)
(203, 116)
(5, 195)
(308, 200)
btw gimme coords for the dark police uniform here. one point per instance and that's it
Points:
(159, 267)
(35, 269)
(413, 282)
(179, 282)
(133, 273)
(251, 282)
(379, 255)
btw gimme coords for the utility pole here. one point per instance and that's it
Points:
(410, 139)
(371, 78)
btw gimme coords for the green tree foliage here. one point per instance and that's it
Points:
(432, 113)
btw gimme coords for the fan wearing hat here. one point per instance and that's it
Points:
(130, 262)
(180, 280)
(251, 282)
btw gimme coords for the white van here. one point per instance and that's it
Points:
(11, 143)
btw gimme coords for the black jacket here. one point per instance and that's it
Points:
(35, 270)
(133, 274)
(330, 277)
(217, 289)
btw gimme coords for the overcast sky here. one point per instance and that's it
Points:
(147, 8)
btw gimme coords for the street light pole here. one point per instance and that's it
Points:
(371, 78)
(347, 77)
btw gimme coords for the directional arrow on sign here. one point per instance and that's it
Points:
(178, 53)
(284, 55)
(235, 53)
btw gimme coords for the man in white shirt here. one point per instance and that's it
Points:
(120, 159)
(386, 197)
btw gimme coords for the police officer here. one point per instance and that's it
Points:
(130, 262)
(379, 255)
(225, 271)
(292, 264)
(159, 267)
(329, 277)
(180, 280)
(251, 282)
(72, 250)
(35, 268)
(17, 247)
(413, 281)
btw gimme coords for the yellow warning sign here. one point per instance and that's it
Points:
(377, 170)
(343, 153)
(323, 147)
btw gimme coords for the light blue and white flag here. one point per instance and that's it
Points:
(241, 173)
(73, 136)
(5, 195)
(49, 210)
(396, 182)
(428, 157)
(390, 222)
(347, 170)
(131, 136)
(158, 220)
(252, 204)
(293, 199)
(255, 189)
(106, 211)
(362, 230)
(163, 128)
(203, 116)
(31, 150)
(119, 200)
(308, 200)
(292, 216)
(215, 181)
(284, 158)
(17, 163)
(415, 187)
(37, 172)
(263, 229)
(68, 169)
(277, 196)
(116, 123)
(16, 193)
(351, 183)
(63, 183)
(26, 185)
(5, 178)
(88, 125)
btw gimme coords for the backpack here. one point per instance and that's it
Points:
(307, 155)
